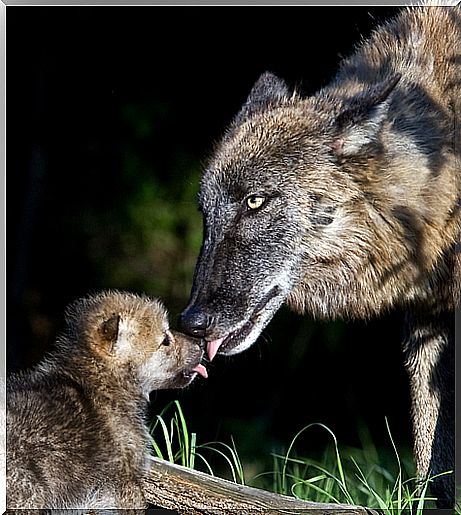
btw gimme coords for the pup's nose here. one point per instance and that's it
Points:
(194, 321)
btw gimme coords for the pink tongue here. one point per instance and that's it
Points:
(212, 347)
(200, 369)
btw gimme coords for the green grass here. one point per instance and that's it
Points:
(343, 475)
(458, 506)
(359, 478)
(172, 441)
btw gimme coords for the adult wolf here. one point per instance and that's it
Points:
(346, 204)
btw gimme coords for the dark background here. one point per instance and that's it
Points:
(111, 112)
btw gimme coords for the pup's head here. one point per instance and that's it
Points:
(129, 335)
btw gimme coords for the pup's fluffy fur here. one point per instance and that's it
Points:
(76, 436)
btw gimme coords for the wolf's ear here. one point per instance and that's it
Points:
(268, 90)
(359, 123)
(109, 334)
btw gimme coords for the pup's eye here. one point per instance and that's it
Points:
(166, 341)
(255, 201)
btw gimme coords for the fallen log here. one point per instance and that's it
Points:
(191, 492)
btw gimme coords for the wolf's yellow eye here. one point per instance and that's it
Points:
(255, 201)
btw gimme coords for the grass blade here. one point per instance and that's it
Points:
(167, 439)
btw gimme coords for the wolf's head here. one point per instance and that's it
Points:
(291, 203)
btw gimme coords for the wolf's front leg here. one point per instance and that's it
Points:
(430, 363)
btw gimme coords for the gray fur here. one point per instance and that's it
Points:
(76, 434)
(362, 191)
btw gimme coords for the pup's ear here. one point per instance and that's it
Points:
(359, 123)
(109, 333)
(268, 90)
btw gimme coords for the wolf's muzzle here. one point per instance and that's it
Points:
(194, 321)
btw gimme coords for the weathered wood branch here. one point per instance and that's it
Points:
(196, 493)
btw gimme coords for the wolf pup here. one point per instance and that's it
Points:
(346, 204)
(75, 424)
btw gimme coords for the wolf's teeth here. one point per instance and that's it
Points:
(212, 347)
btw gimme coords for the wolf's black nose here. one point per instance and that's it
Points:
(194, 321)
